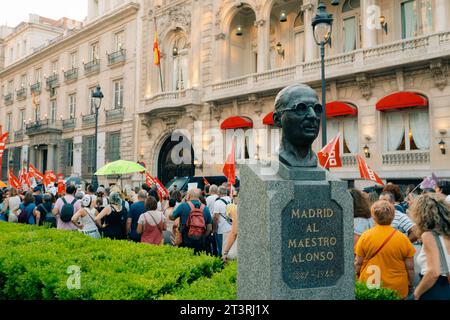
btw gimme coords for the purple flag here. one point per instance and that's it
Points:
(429, 182)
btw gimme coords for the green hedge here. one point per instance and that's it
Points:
(34, 263)
(364, 293)
(221, 286)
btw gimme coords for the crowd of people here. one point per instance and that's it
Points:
(395, 234)
(203, 220)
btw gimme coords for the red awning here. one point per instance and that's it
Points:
(236, 123)
(338, 108)
(268, 119)
(402, 100)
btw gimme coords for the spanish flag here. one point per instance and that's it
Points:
(156, 52)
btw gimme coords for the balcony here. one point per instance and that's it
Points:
(43, 127)
(18, 136)
(36, 88)
(88, 120)
(52, 81)
(8, 99)
(406, 158)
(117, 57)
(172, 99)
(71, 75)
(114, 115)
(21, 94)
(348, 160)
(92, 67)
(390, 55)
(69, 124)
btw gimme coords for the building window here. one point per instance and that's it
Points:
(68, 152)
(37, 113)
(9, 122)
(89, 154)
(38, 75)
(73, 60)
(119, 40)
(23, 81)
(350, 25)
(113, 147)
(24, 48)
(299, 29)
(72, 105)
(118, 94)
(10, 86)
(416, 18)
(348, 128)
(53, 111)
(54, 67)
(92, 100)
(407, 131)
(179, 66)
(21, 119)
(94, 52)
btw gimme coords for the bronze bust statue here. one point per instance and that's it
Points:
(297, 113)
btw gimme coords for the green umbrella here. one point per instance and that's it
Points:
(120, 167)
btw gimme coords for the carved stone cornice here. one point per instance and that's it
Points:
(257, 102)
(216, 111)
(147, 122)
(365, 84)
(176, 16)
(308, 6)
(439, 71)
(193, 112)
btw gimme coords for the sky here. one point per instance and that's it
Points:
(13, 12)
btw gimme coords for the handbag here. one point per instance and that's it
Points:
(444, 265)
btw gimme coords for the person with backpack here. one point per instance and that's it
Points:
(84, 219)
(195, 221)
(44, 211)
(12, 204)
(222, 223)
(26, 209)
(112, 219)
(65, 208)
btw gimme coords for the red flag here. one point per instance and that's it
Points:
(35, 173)
(156, 52)
(161, 188)
(13, 181)
(149, 179)
(205, 182)
(61, 184)
(366, 172)
(329, 156)
(26, 177)
(229, 169)
(50, 176)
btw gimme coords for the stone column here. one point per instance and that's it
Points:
(101, 146)
(263, 30)
(310, 44)
(442, 12)
(369, 33)
(51, 157)
(77, 149)
(33, 156)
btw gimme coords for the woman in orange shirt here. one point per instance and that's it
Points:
(384, 256)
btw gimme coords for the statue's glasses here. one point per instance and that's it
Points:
(303, 108)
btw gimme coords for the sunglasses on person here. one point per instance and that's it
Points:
(303, 108)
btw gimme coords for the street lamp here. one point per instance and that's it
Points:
(322, 26)
(97, 97)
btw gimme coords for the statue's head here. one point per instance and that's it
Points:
(298, 112)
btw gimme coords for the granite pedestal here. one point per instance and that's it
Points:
(295, 235)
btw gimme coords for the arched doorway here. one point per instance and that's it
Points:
(167, 169)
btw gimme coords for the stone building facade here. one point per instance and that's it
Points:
(46, 100)
(223, 63)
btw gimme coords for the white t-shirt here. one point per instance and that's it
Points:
(210, 203)
(448, 198)
(221, 208)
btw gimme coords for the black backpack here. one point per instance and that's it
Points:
(67, 210)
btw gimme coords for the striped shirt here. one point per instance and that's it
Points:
(402, 222)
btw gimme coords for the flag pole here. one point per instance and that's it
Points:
(159, 61)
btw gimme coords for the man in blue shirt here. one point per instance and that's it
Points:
(134, 213)
(183, 211)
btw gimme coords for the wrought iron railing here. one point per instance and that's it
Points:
(92, 66)
(71, 74)
(117, 57)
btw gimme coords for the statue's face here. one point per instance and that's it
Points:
(300, 119)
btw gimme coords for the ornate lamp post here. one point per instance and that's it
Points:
(322, 25)
(97, 96)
